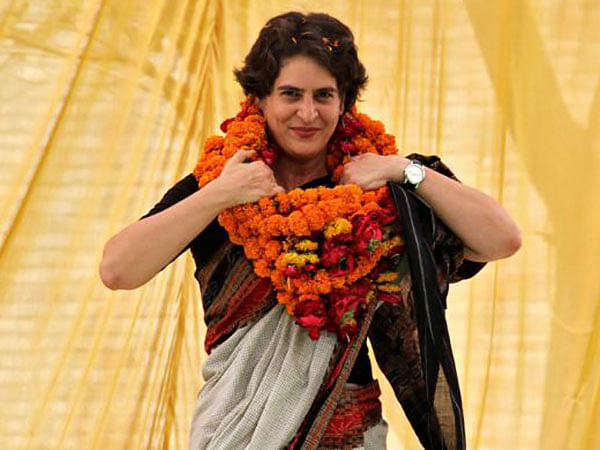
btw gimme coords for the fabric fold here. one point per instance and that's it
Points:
(444, 420)
(259, 384)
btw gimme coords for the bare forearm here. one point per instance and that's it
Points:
(138, 252)
(478, 220)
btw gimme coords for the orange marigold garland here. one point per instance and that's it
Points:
(329, 252)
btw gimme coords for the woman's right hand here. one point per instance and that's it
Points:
(247, 182)
(138, 252)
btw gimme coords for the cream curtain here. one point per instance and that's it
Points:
(105, 103)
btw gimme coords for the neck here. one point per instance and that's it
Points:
(291, 173)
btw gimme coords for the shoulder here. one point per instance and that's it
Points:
(183, 188)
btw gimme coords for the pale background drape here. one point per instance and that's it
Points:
(104, 104)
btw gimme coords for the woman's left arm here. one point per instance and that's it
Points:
(481, 223)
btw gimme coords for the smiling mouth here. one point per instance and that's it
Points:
(304, 132)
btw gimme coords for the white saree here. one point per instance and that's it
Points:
(259, 385)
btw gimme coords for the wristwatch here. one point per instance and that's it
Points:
(414, 174)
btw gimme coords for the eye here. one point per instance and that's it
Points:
(290, 93)
(324, 95)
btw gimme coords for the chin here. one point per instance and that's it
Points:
(303, 154)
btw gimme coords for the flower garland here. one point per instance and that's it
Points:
(329, 252)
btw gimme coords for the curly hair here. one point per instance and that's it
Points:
(319, 36)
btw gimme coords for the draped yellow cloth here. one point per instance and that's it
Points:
(104, 104)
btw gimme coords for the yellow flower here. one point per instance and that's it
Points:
(306, 245)
(391, 243)
(293, 258)
(389, 288)
(300, 259)
(387, 277)
(338, 226)
(311, 258)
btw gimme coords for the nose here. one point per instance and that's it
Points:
(307, 110)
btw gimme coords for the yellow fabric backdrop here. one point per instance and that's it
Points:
(104, 104)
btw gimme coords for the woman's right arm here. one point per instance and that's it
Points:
(137, 253)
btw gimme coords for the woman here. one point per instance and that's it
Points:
(269, 382)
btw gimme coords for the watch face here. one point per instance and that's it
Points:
(414, 174)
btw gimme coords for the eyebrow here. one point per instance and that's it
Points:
(288, 87)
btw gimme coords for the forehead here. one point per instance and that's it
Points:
(304, 72)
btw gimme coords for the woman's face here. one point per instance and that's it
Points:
(303, 108)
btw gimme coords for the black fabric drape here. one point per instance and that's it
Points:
(418, 222)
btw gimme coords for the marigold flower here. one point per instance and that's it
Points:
(261, 268)
(276, 225)
(266, 206)
(314, 216)
(322, 282)
(296, 198)
(311, 196)
(298, 224)
(272, 249)
(251, 249)
(389, 150)
(337, 227)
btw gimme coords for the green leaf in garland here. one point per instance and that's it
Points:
(373, 244)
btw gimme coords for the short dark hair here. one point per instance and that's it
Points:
(319, 36)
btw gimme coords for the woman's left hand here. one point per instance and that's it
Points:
(371, 171)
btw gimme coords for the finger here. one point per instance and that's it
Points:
(257, 165)
(242, 155)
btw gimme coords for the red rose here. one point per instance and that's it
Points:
(347, 131)
(309, 267)
(361, 287)
(225, 124)
(311, 314)
(387, 217)
(269, 157)
(387, 202)
(351, 127)
(291, 271)
(366, 232)
(343, 307)
(356, 124)
(338, 259)
(344, 302)
(349, 148)
(378, 270)
(333, 253)
(344, 238)
(387, 297)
